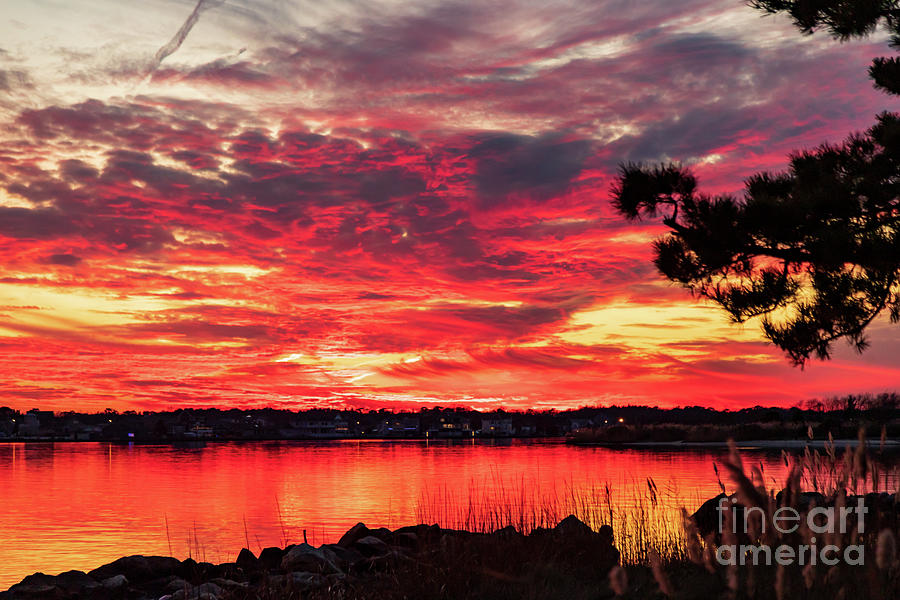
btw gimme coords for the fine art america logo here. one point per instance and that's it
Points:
(823, 521)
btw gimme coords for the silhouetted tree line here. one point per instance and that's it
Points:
(836, 414)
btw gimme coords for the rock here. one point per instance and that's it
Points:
(571, 526)
(188, 569)
(304, 557)
(371, 546)
(74, 581)
(507, 532)
(68, 584)
(803, 502)
(304, 581)
(345, 557)
(606, 534)
(230, 586)
(194, 595)
(539, 532)
(707, 516)
(246, 560)
(425, 534)
(37, 586)
(227, 571)
(405, 540)
(115, 582)
(580, 544)
(381, 562)
(382, 533)
(196, 573)
(270, 558)
(207, 570)
(206, 591)
(356, 532)
(138, 568)
(174, 584)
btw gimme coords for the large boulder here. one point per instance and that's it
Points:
(381, 562)
(71, 584)
(247, 561)
(346, 557)
(507, 533)
(38, 587)
(270, 558)
(707, 516)
(574, 527)
(408, 540)
(76, 581)
(356, 532)
(371, 546)
(174, 584)
(424, 535)
(304, 557)
(204, 591)
(577, 543)
(116, 582)
(139, 568)
(230, 586)
(303, 581)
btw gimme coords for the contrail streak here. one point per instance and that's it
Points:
(179, 37)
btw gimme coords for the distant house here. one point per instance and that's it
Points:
(400, 427)
(453, 426)
(31, 423)
(204, 432)
(78, 431)
(576, 424)
(323, 428)
(499, 427)
(527, 430)
(7, 421)
(341, 426)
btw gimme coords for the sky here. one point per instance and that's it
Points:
(391, 204)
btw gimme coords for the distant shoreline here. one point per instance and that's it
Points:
(161, 441)
(749, 444)
(786, 444)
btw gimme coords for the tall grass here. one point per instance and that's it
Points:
(648, 520)
(644, 517)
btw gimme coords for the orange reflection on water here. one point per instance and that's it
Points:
(79, 505)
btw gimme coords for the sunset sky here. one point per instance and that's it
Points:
(390, 204)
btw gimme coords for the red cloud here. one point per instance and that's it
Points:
(437, 192)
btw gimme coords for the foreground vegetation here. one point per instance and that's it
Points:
(662, 561)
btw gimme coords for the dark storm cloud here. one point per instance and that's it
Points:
(66, 260)
(39, 223)
(536, 167)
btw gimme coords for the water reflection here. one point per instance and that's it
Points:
(78, 505)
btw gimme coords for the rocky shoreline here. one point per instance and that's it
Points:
(361, 559)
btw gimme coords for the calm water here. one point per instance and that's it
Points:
(79, 505)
